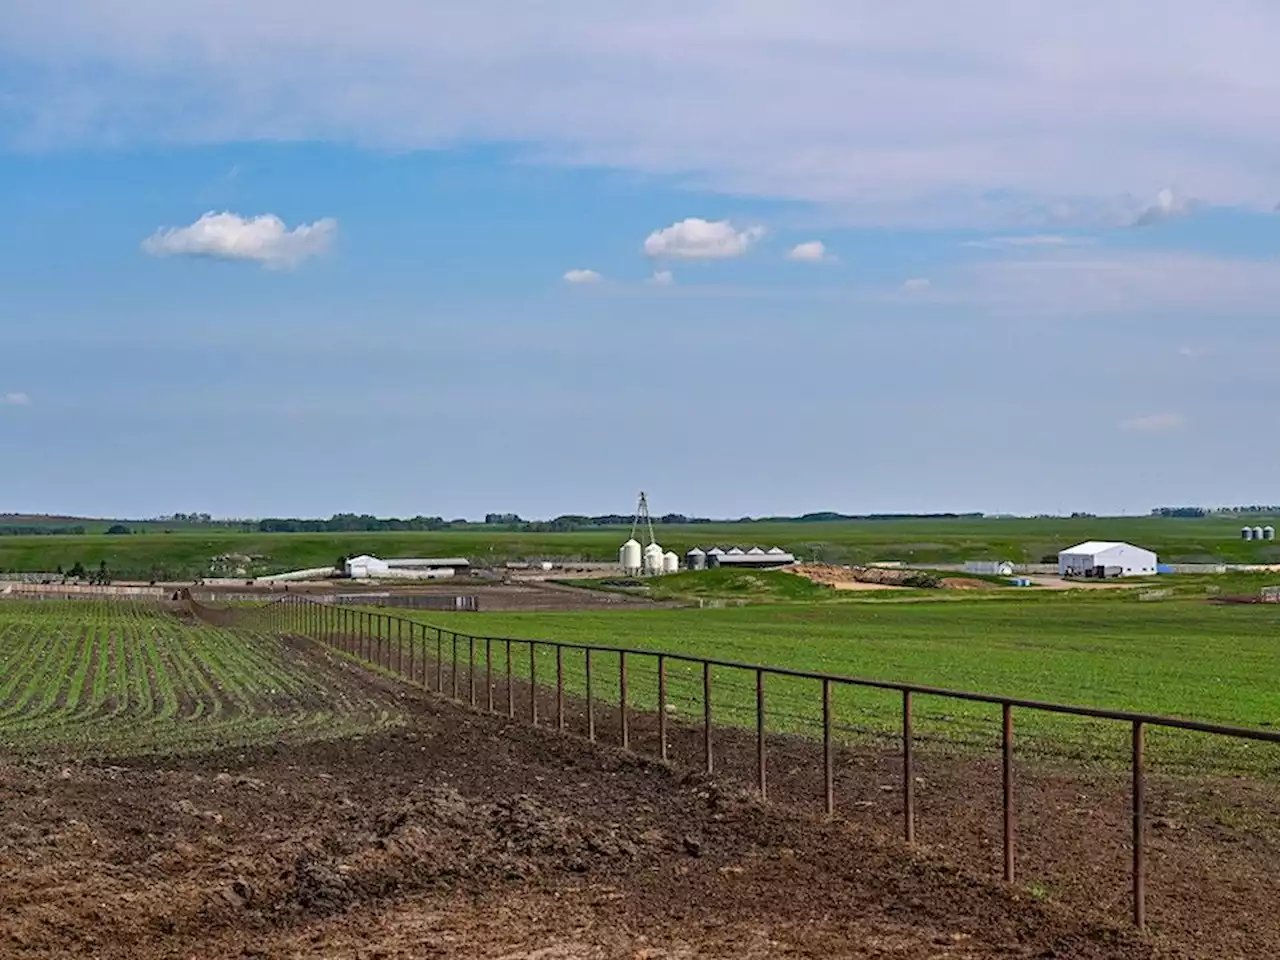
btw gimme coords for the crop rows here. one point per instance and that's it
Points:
(112, 679)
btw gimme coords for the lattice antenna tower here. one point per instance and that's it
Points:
(642, 515)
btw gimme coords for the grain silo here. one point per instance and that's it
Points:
(629, 557)
(1257, 533)
(1268, 533)
(670, 562)
(695, 559)
(1246, 533)
(653, 559)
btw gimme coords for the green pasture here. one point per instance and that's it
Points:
(1179, 657)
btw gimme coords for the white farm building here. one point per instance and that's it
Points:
(1105, 558)
(365, 567)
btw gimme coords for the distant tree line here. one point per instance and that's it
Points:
(350, 523)
(27, 531)
(1207, 511)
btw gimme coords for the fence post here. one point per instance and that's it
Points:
(662, 707)
(1139, 830)
(439, 661)
(760, 761)
(412, 676)
(454, 679)
(908, 778)
(706, 716)
(591, 713)
(1007, 765)
(559, 687)
(511, 693)
(488, 674)
(828, 772)
(471, 670)
(622, 699)
(533, 683)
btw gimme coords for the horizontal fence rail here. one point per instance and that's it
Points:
(432, 658)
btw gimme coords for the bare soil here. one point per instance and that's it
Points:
(470, 835)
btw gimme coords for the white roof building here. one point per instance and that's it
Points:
(367, 567)
(1106, 558)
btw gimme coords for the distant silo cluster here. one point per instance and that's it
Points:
(652, 560)
(1258, 533)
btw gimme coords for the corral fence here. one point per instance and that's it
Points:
(505, 675)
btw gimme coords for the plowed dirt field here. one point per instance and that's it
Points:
(467, 835)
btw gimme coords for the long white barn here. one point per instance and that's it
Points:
(367, 567)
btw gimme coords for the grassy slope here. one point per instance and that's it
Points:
(187, 553)
(1180, 657)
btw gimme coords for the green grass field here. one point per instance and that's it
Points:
(87, 678)
(185, 554)
(1178, 657)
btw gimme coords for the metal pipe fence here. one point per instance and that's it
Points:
(636, 682)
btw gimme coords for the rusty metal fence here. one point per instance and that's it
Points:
(507, 675)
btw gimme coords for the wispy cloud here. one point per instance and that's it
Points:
(811, 251)
(916, 284)
(1169, 204)
(228, 236)
(1121, 282)
(662, 278)
(16, 399)
(1154, 423)
(1028, 241)
(698, 239)
(1053, 114)
(582, 276)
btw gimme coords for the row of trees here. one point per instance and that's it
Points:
(1270, 510)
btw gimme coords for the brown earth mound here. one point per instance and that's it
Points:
(469, 836)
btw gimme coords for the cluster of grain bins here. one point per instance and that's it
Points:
(650, 561)
(754, 558)
(1257, 533)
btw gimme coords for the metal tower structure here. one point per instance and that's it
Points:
(642, 514)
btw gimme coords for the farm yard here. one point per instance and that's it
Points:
(184, 553)
(293, 780)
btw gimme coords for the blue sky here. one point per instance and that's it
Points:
(933, 266)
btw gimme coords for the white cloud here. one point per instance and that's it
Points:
(15, 400)
(917, 283)
(811, 251)
(581, 276)
(1061, 113)
(1193, 352)
(228, 236)
(1027, 241)
(662, 278)
(698, 239)
(1168, 205)
(1154, 423)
